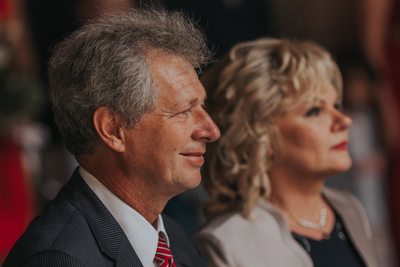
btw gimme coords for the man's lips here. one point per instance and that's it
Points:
(196, 158)
(341, 146)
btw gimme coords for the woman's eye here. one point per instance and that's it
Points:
(339, 106)
(314, 111)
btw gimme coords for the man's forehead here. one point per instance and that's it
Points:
(174, 69)
(176, 79)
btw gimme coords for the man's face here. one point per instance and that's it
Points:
(166, 147)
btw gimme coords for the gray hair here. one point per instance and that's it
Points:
(104, 64)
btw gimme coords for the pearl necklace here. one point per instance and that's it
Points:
(312, 225)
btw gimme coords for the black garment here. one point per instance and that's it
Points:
(78, 230)
(332, 251)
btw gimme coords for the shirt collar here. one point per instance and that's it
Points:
(141, 234)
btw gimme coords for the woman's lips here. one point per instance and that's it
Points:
(341, 146)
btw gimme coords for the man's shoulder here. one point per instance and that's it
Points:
(59, 233)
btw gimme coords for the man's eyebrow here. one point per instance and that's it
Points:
(197, 100)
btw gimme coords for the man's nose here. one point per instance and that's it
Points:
(206, 130)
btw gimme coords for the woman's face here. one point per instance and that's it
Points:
(315, 136)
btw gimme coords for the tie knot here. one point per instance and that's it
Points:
(163, 254)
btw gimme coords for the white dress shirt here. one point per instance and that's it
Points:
(141, 234)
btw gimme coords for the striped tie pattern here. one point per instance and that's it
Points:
(163, 254)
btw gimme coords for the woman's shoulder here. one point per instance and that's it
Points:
(262, 239)
(262, 220)
(342, 199)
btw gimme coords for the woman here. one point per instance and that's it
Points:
(277, 103)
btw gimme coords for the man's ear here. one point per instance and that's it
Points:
(109, 126)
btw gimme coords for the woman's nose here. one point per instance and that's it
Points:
(342, 121)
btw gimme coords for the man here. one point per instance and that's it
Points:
(130, 107)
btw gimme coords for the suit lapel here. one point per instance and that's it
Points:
(181, 259)
(178, 244)
(110, 237)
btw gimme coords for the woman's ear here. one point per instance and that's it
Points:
(109, 126)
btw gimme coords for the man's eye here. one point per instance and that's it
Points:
(185, 112)
(314, 111)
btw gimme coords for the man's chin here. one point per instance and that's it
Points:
(190, 183)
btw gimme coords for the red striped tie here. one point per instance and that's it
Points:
(163, 254)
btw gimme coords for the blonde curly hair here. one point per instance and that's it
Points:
(259, 80)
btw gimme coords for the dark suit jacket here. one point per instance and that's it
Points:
(76, 229)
